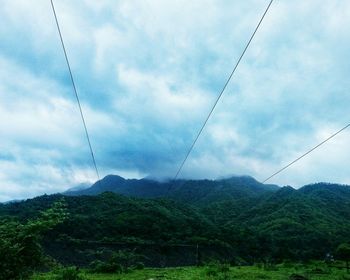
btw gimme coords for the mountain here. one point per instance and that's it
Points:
(117, 184)
(306, 222)
(96, 225)
(232, 218)
(188, 191)
(11, 201)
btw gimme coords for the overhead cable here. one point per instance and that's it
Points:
(75, 92)
(221, 92)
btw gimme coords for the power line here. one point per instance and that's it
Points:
(75, 92)
(308, 152)
(221, 92)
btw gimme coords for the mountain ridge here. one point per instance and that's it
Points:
(254, 222)
(150, 188)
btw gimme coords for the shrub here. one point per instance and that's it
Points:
(69, 273)
(211, 271)
(105, 267)
(223, 268)
(139, 266)
(218, 270)
(20, 250)
(295, 276)
(343, 253)
(119, 262)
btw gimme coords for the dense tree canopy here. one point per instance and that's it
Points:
(273, 224)
(20, 249)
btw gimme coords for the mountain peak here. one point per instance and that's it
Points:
(242, 178)
(234, 187)
(113, 177)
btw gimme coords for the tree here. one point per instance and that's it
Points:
(120, 261)
(20, 249)
(343, 253)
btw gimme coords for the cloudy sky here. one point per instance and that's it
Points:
(148, 72)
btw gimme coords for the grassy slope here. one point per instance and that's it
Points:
(243, 273)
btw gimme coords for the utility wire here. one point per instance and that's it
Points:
(221, 92)
(308, 152)
(75, 91)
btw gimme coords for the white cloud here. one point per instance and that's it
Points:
(148, 72)
(42, 132)
(160, 98)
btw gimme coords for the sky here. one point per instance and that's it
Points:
(148, 72)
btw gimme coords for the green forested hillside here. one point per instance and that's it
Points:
(251, 223)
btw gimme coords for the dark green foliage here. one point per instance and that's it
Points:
(295, 276)
(20, 249)
(105, 267)
(69, 273)
(218, 270)
(120, 261)
(115, 218)
(254, 223)
(343, 253)
(211, 271)
(139, 266)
